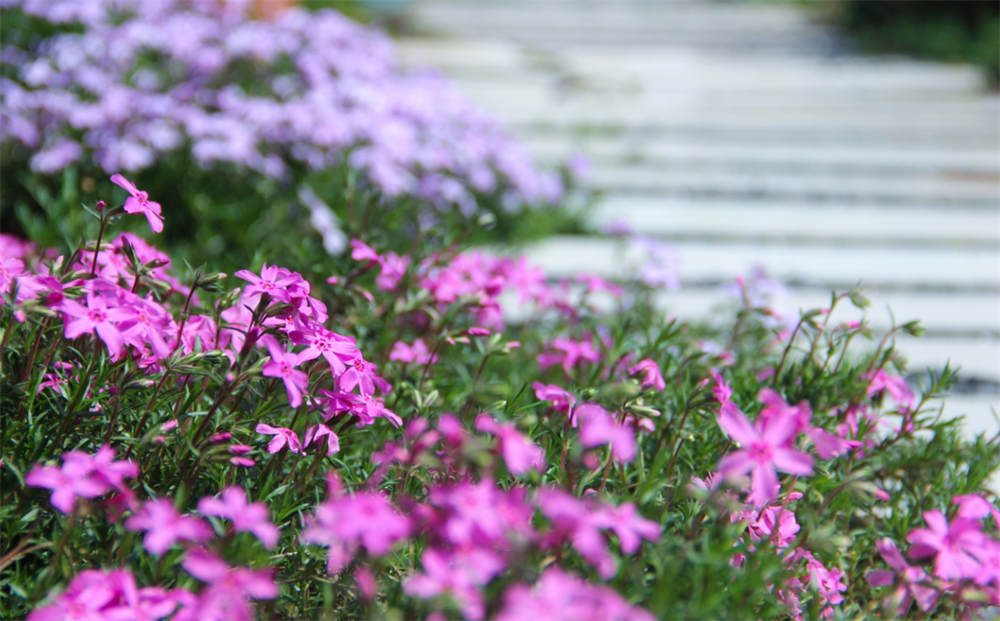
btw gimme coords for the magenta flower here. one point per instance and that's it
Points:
(951, 545)
(10, 269)
(721, 390)
(393, 270)
(315, 435)
(598, 427)
(559, 596)
(829, 582)
(893, 384)
(363, 374)
(336, 349)
(630, 527)
(569, 353)
(481, 514)
(651, 376)
(164, 526)
(418, 352)
(459, 574)
(282, 437)
(282, 364)
(360, 251)
(246, 517)
(976, 507)
(580, 522)
(596, 284)
(97, 316)
(273, 281)
(909, 580)
(561, 400)
(763, 451)
(95, 594)
(345, 523)
(519, 453)
(228, 588)
(139, 202)
(82, 476)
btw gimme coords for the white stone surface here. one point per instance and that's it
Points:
(840, 222)
(828, 265)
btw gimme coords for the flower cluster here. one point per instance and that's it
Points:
(125, 82)
(531, 441)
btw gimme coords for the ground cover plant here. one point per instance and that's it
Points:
(266, 120)
(385, 443)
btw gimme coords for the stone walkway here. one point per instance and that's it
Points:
(745, 134)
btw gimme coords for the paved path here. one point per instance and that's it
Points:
(745, 134)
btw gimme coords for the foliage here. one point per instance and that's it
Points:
(300, 121)
(414, 450)
(963, 31)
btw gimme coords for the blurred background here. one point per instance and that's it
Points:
(823, 144)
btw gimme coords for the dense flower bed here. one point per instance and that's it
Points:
(126, 82)
(389, 442)
(302, 122)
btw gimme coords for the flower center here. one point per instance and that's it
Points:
(761, 452)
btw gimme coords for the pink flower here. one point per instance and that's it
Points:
(246, 517)
(282, 364)
(519, 453)
(228, 588)
(829, 583)
(82, 476)
(361, 251)
(481, 514)
(139, 202)
(569, 353)
(559, 596)
(893, 384)
(363, 374)
(580, 522)
(561, 400)
(418, 352)
(315, 435)
(97, 316)
(393, 270)
(598, 427)
(336, 349)
(282, 437)
(164, 526)
(975, 507)
(10, 269)
(722, 391)
(763, 451)
(459, 574)
(96, 594)
(951, 545)
(630, 527)
(908, 579)
(596, 284)
(651, 376)
(273, 281)
(345, 523)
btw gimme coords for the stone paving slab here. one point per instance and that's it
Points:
(840, 223)
(942, 188)
(745, 134)
(941, 268)
(683, 152)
